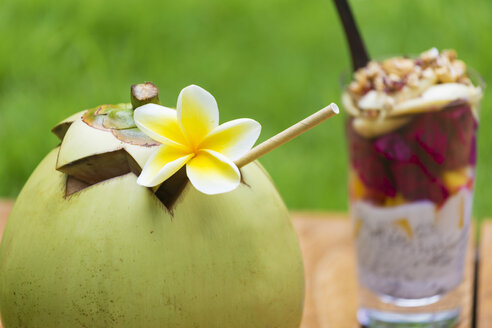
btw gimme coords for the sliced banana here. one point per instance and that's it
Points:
(436, 97)
(349, 105)
(370, 128)
(374, 100)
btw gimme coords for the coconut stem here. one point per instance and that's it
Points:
(144, 93)
(288, 134)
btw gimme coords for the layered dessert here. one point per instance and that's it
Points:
(412, 150)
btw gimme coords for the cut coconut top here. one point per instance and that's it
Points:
(104, 142)
(61, 128)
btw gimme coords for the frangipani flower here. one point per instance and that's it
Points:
(191, 136)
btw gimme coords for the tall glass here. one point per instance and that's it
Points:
(411, 188)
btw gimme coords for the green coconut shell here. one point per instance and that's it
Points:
(112, 255)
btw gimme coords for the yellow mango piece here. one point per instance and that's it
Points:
(395, 201)
(357, 188)
(357, 225)
(405, 225)
(456, 179)
(461, 222)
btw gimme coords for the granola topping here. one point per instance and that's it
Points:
(401, 86)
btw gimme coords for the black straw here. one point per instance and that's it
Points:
(358, 51)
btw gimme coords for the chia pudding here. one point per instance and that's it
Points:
(412, 148)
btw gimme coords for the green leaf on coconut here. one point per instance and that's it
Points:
(119, 118)
(91, 119)
(135, 137)
(106, 109)
(97, 117)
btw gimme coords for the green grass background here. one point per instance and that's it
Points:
(273, 60)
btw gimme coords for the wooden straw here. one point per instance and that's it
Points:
(288, 134)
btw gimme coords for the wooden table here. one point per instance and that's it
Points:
(331, 287)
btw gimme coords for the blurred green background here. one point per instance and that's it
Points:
(273, 60)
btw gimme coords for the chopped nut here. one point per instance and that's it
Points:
(378, 87)
(445, 61)
(379, 83)
(459, 67)
(360, 76)
(355, 87)
(428, 73)
(398, 66)
(442, 76)
(373, 69)
(464, 80)
(412, 79)
(450, 53)
(394, 77)
(430, 55)
(445, 75)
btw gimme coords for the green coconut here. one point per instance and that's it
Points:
(86, 246)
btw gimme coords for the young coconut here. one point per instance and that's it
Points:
(107, 231)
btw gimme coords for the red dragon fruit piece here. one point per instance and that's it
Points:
(394, 147)
(430, 135)
(375, 174)
(401, 147)
(461, 128)
(463, 123)
(444, 137)
(375, 197)
(472, 160)
(372, 168)
(358, 146)
(414, 183)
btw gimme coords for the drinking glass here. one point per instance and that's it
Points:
(411, 192)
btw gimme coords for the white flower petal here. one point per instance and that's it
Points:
(234, 138)
(198, 113)
(161, 124)
(162, 164)
(212, 173)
